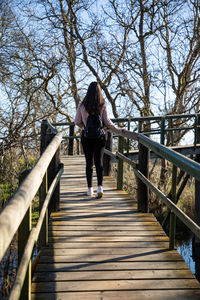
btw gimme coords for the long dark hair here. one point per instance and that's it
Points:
(93, 100)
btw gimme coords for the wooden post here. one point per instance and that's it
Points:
(143, 190)
(197, 183)
(51, 173)
(162, 132)
(43, 239)
(47, 134)
(171, 132)
(44, 127)
(196, 241)
(23, 235)
(107, 159)
(128, 140)
(71, 141)
(163, 162)
(172, 228)
(120, 164)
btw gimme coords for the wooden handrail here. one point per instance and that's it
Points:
(16, 290)
(20, 202)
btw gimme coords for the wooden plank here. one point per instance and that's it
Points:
(115, 285)
(105, 233)
(104, 223)
(104, 228)
(129, 215)
(94, 239)
(104, 203)
(107, 244)
(67, 217)
(97, 208)
(101, 258)
(120, 295)
(111, 251)
(112, 266)
(101, 217)
(112, 275)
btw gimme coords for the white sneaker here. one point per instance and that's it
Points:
(99, 193)
(90, 191)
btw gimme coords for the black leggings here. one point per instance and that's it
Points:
(94, 150)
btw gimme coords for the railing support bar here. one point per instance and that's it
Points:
(143, 190)
(43, 240)
(172, 231)
(162, 135)
(196, 240)
(23, 235)
(107, 159)
(120, 164)
(128, 140)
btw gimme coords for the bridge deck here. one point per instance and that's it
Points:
(105, 249)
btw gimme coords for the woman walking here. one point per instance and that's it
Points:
(92, 117)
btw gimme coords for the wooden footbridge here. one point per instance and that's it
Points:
(109, 248)
(105, 249)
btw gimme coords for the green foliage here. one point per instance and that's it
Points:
(6, 191)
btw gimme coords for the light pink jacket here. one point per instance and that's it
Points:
(82, 114)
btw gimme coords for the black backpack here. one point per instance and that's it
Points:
(94, 127)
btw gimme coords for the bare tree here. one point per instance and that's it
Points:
(180, 42)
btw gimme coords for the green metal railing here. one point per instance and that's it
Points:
(191, 122)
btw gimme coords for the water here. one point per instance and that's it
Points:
(8, 267)
(185, 250)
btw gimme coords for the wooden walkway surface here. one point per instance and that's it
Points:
(105, 249)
